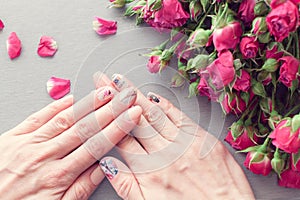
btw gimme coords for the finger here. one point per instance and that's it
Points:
(65, 119)
(121, 178)
(98, 145)
(93, 123)
(100, 80)
(85, 184)
(38, 119)
(148, 137)
(181, 121)
(154, 115)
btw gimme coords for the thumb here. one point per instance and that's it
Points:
(121, 178)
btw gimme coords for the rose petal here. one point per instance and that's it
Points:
(14, 46)
(58, 87)
(104, 27)
(47, 47)
(1, 25)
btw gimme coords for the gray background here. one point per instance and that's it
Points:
(81, 53)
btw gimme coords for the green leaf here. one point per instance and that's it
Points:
(294, 87)
(204, 4)
(151, 2)
(258, 88)
(129, 12)
(296, 158)
(157, 5)
(246, 97)
(264, 38)
(295, 123)
(271, 65)
(253, 148)
(193, 91)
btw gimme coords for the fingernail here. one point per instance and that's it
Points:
(96, 176)
(118, 80)
(109, 168)
(104, 94)
(128, 96)
(152, 97)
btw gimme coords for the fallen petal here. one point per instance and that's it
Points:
(1, 25)
(104, 27)
(58, 87)
(47, 47)
(13, 45)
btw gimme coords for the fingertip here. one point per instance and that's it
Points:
(135, 113)
(154, 98)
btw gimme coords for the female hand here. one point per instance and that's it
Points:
(53, 153)
(171, 157)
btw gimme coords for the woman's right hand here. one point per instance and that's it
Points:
(171, 157)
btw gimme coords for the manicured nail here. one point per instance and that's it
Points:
(152, 97)
(118, 81)
(104, 94)
(128, 95)
(109, 168)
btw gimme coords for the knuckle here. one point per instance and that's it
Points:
(125, 187)
(155, 115)
(33, 121)
(83, 130)
(81, 191)
(63, 121)
(57, 178)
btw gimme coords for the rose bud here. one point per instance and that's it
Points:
(155, 64)
(1, 25)
(227, 37)
(195, 10)
(246, 11)
(277, 162)
(221, 71)
(271, 65)
(118, 3)
(258, 163)
(282, 20)
(265, 105)
(243, 82)
(258, 88)
(249, 47)
(47, 46)
(58, 87)
(164, 16)
(273, 52)
(239, 137)
(285, 137)
(288, 70)
(13, 45)
(259, 26)
(199, 38)
(233, 103)
(205, 90)
(289, 178)
(104, 27)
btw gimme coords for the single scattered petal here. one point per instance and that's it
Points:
(1, 25)
(104, 27)
(13, 45)
(58, 87)
(47, 47)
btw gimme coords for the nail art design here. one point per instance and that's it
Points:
(153, 98)
(118, 81)
(109, 168)
(104, 94)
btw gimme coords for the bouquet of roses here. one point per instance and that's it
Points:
(243, 54)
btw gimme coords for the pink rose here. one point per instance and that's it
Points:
(275, 3)
(236, 106)
(205, 90)
(258, 162)
(282, 20)
(249, 47)
(221, 71)
(242, 142)
(288, 70)
(104, 27)
(246, 11)
(227, 37)
(284, 139)
(243, 83)
(273, 53)
(155, 64)
(170, 15)
(289, 178)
